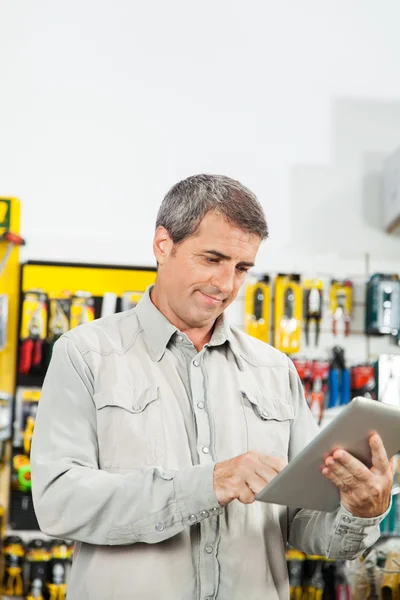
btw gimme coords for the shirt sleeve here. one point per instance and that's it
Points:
(74, 499)
(337, 535)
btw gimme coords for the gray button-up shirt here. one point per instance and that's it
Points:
(130, 424)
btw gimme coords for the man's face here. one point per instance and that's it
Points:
(200, 277)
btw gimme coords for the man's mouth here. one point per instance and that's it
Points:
(212, 299)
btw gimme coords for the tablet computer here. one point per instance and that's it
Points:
(302, 485)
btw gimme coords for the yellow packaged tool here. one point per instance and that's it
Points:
(257, 308)
(313, 301)
(288, 313)
(37, 559)
(295, 563)
(59, 319)
(60, 557)
(82, 308)
(13, 552)
(341, 304)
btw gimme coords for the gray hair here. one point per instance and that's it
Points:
(188, 201)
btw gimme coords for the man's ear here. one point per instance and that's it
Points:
(162, 245)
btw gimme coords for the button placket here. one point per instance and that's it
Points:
(201, 415)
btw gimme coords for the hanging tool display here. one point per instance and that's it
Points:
(288, 313)
(318, 388)
(82, 309)
(33, 331)
(257, 308)
(383, 305)
(341, 304)
(60, 558)
(313, 302)
(13, 552)
(363, 381)
(37, 560)
(339, 379)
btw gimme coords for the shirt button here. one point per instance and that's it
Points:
(216, 511)
(206, 450)
(209, 549)
(137, 407)
(347, 519)
(264, 414)
(200, 405)
(193, 519)
(204, 514)
(196, 363)
(160, 526)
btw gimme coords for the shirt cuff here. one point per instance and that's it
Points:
(363, 521)
(195, 494)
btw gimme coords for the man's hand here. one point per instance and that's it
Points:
(245, 476)
(364, 492)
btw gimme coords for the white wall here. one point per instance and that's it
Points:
(105, 104)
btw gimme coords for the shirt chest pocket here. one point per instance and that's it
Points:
(129, 427)
(268, 422)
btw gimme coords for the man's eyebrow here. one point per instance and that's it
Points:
(218, 254)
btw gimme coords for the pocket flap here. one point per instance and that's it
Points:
(274, 409)
(131, 399)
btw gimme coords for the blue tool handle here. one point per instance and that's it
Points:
(345, 391)
(333, 388)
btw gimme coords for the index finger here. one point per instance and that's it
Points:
(274, 462)
(380, 460)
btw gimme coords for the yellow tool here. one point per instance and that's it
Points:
(57, 586)
(257, 309)
(14, 552)
(295, 564)
(57, 592)
(82, 309)
(288, 313)
(30, 425)
(341, 303)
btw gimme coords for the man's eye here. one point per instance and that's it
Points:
(242, 269)
(212, 260)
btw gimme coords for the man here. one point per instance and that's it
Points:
(157, 427)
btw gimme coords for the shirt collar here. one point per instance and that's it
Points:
(158, 330)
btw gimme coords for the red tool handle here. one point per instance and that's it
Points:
(37, 353)
(25, 359)
(343, 592)
(12, 238)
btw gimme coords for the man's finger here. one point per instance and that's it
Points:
(352, 465)
(380, 459)
(267, 473)
(341, 472)
(256, 483)
(334, 478)
(273, 461)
